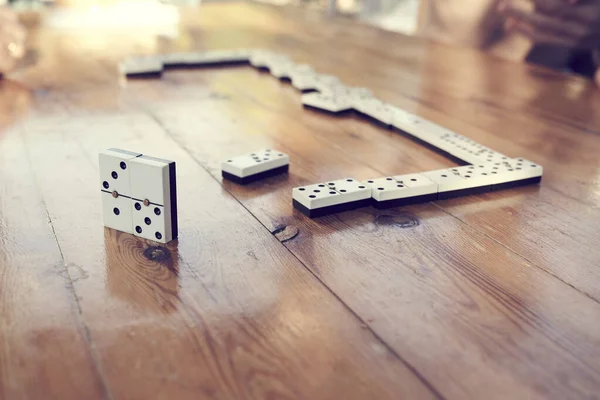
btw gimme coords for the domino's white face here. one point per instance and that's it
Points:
(115, 171)
(150, 222)
(115, 185)
(255, 162)
(331, 193)
(401, 187)
(326, 102)
(117, 212)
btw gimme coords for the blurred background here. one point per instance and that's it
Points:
(395, 15)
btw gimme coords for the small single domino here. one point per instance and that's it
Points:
(401, 190)
(255, 166)
(142, 67)
(139, 194)
(331, 197)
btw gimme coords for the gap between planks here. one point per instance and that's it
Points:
(258, 102)
(362, 322)
(97, 366)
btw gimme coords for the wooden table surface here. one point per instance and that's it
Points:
(492, 296)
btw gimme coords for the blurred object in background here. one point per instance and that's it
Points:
(12, 40)
(147, 15)
(394, 15)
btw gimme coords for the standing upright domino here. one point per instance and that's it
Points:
(139, 194)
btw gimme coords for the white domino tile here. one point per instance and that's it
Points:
(447, 181)
(401, 187)
(479, 175)
(254, 163)
(333, 104)
(262, 58)
(516, 169)
(417, 184)
(327, 84)
(206, 57)
(141, 65)
(376, 109)
(331, 193)
(304, 81)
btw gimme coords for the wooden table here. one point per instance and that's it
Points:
(492, 296)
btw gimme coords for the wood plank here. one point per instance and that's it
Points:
(469, 301)
(443, 285)
(44, 350)
(226, 312)
(492, 102)
(534, 212)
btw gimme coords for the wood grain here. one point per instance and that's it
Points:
(225, 312)
(399, 267)
(493, 295)
(40, 325)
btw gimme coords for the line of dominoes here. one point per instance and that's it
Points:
(483, 168)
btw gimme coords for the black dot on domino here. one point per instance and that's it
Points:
(302, 189)
(116, 211)
(138, 206)
(114, 175)
(147, 220)
(138, 229)
(158, 235)
(312, 196)
(343, 190)
(105, 184)
(331, 192)
(123, 165)
(156, 210)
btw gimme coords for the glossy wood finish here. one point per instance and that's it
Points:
(493, 296)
